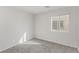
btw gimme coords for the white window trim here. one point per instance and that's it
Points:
(52, 30)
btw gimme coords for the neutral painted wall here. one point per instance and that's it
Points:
(43, 27)
(13, 24)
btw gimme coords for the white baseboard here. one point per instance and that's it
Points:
(43, 38)
(13, 45)
(8, 47)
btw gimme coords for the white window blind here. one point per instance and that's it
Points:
(60, 23)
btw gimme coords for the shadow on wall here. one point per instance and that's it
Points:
(23, 38)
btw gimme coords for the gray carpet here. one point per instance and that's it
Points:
(40, 46)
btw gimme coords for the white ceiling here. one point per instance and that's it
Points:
(37, 9)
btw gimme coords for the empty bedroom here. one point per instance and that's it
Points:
(39, 29)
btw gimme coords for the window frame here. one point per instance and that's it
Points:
(58, 25)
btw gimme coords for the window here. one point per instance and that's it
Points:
(60, 23)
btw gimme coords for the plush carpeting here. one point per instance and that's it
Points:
(40, 46)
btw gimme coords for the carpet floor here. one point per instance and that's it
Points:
(40, 46)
